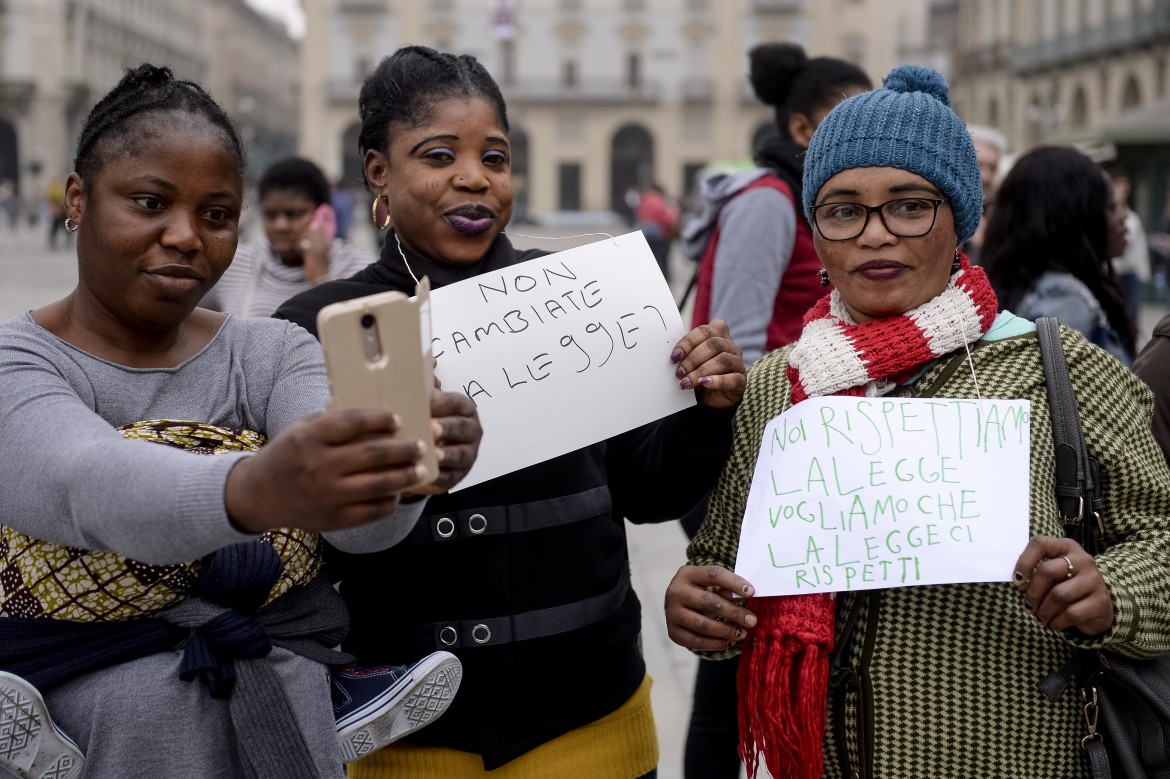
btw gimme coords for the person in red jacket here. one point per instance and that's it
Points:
(758, 272)
(757, 268)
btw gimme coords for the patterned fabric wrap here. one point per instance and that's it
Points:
(940, 680)
(40, 579)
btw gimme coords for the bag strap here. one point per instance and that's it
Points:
(1076, 472)
(1077, 501)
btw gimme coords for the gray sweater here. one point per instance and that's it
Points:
(72, 479)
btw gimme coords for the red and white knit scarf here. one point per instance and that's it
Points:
(784, 671)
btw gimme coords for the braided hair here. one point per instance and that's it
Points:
(784, 77)
(133, 111)
(405, 87)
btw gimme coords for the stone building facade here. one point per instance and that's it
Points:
(1094, 72)
(58, 57)
(601, 94)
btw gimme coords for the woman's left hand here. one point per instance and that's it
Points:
(455, 423)
(314, 245)
(708, 360)
(1062, 587)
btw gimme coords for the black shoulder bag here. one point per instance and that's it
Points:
(1125, 701)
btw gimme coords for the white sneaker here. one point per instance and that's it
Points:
(31, 746)
(377, 706)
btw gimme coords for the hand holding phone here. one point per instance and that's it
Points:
(378, 355)
(324, 221)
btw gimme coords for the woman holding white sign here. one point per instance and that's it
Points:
(934, 680)
(525, 577)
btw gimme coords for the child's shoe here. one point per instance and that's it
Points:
(377, 706)
(31, 746)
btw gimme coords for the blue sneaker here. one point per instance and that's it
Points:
(31, 746)
(377, 706)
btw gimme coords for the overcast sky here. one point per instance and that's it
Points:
(289, 11)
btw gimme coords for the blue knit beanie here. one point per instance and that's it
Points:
(906, 124)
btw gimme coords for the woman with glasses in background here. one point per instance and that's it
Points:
(931, 680)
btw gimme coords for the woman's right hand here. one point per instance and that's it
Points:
(700, 612)
(325, 472)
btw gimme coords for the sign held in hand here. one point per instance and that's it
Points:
(869, 493)
(560, 352)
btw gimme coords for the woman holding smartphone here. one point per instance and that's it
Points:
(301, 249)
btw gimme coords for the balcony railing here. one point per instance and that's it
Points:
(777, 6)
(588, 91)
(1115, 37)
(697, 90)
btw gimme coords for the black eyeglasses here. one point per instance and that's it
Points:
(906, 217)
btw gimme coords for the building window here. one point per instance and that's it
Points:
(507, 62)
(570, 186)
(569, 74)
(634, 70)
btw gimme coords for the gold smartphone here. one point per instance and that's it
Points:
(378, 355)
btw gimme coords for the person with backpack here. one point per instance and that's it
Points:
(758, 272)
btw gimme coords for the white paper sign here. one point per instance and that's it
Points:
(870, 493)
(560, 352)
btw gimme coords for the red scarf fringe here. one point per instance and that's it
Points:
(783, 685)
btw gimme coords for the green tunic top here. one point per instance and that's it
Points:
(940, 680)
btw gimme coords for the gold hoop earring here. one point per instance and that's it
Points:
(70, 225)
(374, 214)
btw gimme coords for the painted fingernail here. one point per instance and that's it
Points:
(1027, 605)
(676, 355)
(705, 380)
(420, 471)
(747, 589)
(397, 420)
(422, 448)
(1018, 577)
(739, 633)
(440, 455)
(750, 620)
(684, 384)
(679, 373)
(730, 644)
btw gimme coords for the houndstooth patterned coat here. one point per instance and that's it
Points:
(940, 681)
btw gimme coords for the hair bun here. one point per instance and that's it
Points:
(915, 78)
(774, 67)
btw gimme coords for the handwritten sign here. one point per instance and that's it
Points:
(560, 352)
(869, 493)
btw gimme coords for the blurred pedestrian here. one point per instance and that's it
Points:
(301, 250)
(55, 207)
(990, 147)
(658, 219)
(1132, 266)
(1054, 228)
(758, 271)
(343, 204)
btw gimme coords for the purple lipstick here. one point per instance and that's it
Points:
(471, 218)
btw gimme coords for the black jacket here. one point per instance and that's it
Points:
(539, 554)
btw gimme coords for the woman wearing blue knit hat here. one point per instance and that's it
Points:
(930, 680)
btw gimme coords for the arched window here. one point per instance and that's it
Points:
(631, 162)
(1131, 94)
(1079, 115)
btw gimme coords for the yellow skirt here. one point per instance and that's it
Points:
(620, 745)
